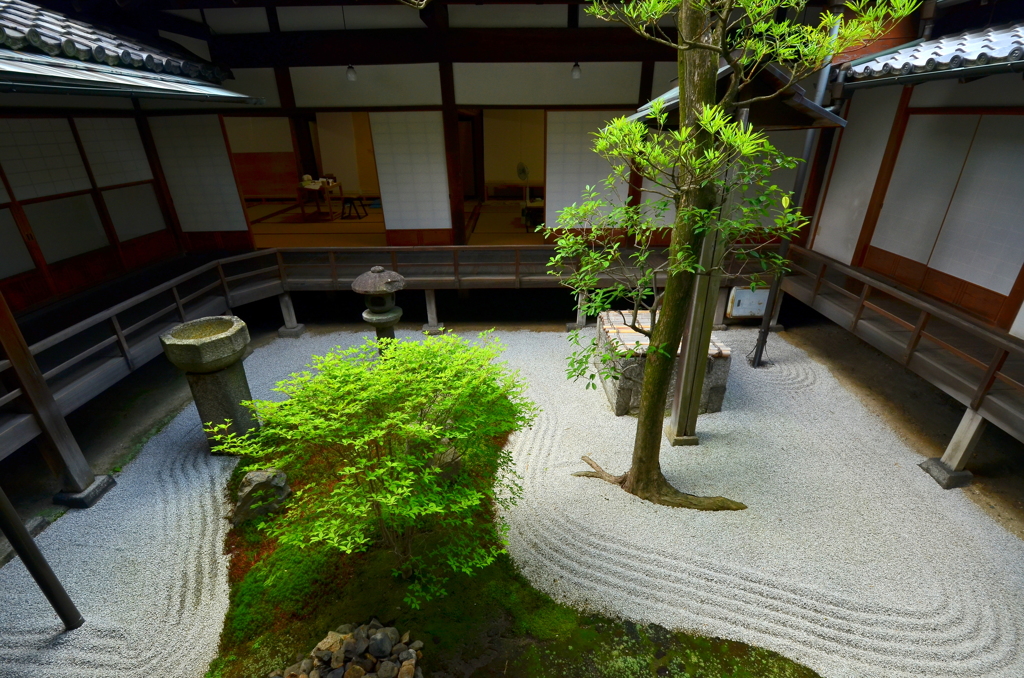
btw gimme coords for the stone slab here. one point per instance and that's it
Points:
(87, 497)
(946, 477)
(292, 332)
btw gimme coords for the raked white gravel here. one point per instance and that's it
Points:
(849, 558)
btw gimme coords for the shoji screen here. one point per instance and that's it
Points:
(114, 149)
(195, 161)
(853, 175)
(571, 162)
(412, 169)
(14, 256)
(982, 240)
(932, 153)
(40, 157)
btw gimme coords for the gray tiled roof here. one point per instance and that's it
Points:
(969, 49)
(26, 26)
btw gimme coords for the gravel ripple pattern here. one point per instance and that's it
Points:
(849, 559)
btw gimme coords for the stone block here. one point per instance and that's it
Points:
(262, 493)
(624, 393)
(946, 477)
(87, 497)
(291, 332)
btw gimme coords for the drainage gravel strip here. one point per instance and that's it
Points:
(849, 558)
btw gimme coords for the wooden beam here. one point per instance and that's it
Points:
(453, 153)
(414, 45)
(635, 194)
(301, 136)
(892, 151)
(60, 448)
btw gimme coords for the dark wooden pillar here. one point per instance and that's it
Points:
(60, 447)
(305, 154)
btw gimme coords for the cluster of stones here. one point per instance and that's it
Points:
(368, 651)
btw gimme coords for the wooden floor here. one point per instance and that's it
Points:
(276, 224)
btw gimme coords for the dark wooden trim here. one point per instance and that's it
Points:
(832, 159)
(417, 46)
(892, 150)
(101, 206)
(29, 238)
(815, 179)
(1013, 304)
(573, 19)
(634, 194)
(163, 191)
(965, 110)
(55, 196)
(453, 153)
(234, 176)
(302, 139)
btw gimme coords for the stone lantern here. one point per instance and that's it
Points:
(379, 287)
(210, 351)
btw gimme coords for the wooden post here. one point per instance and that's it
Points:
(693, 356)
(432, 326)
(60, 447)
(292, 327)
(964, 441)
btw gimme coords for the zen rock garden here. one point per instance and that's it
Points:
(368, 651)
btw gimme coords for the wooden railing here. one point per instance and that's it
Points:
(1001, 344)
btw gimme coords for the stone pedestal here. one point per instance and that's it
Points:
(624, 393)
(210, 351)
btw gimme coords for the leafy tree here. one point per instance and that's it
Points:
(694, 168)
(400, 442)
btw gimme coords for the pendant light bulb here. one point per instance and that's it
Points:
(577, 73)
(350, 73)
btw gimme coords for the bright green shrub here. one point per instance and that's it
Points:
(405, 447)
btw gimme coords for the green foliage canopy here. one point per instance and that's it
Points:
(397, 441)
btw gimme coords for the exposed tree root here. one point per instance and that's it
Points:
(662, 493)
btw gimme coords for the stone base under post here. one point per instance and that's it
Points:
(432, 326)
(87, 497)
(219, 395)
(292, 332)
(949, 470)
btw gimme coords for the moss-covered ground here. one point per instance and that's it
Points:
(284, 600)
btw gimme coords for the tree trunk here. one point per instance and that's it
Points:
(698, 77)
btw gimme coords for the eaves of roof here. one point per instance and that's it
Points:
(41, 73)
(25, 26)
(969, 54)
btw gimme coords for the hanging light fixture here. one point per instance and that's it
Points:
(577, 73)
(350, 73)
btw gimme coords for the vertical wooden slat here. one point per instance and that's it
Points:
(892, 151)
(127, 352)
(998, 360)
(177, 302)
(817, 282)
(224, 286)
(915, 336)
(864, 293)
(97, 197)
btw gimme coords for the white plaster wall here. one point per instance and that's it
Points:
(666, 77)
(853, 175)
(261, 134)
(1017, 329)
(14, 256)
(195, 161)
(546, 84)
(200, 48)
(237, 20)
(387, 85)
(571, 163)
(995, 90)
(40, 157)
(932, 154)
(114, 150)
(982, 237)
(412, 169)
(350, 17)
(338, 148)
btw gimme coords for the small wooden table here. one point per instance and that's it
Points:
(316, 187)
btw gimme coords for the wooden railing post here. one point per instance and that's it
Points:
(177, 302)
(224, 286)
(990, 376)
(864, 293)
(817, 282)
(915, 336)
(127, 352)
(60, 447)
